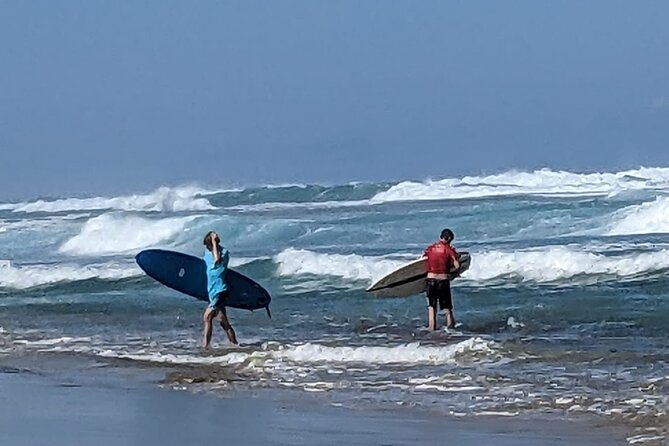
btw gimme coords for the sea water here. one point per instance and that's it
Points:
(565, 308)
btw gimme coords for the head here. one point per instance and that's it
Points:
(447, 235)
(208, 242)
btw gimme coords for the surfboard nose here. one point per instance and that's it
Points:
(145, 258)
(140, 259)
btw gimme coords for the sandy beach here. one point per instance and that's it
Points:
(118, 407)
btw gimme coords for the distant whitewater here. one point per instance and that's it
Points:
(543, 182)
(521, 226)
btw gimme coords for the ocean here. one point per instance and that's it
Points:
(565, 309)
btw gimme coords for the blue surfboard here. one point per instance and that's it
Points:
(188, 274)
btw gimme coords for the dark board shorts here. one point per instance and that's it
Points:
(439, 291)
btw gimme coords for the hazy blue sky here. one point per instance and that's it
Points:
(111, 96)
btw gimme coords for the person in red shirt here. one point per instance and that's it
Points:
(442, 262)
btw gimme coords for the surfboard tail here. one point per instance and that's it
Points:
(269, 315)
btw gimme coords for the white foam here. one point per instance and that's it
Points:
(646, 218)
(116, 233)
(168, 358)
(286, 186)
(559, 263)
(447, 389)
(539, 182)
(308, 353)
(293, 262)
(497, 413)
(537, 265)
(543, 182)
(645, 438)
(55, 341)
(164, 199)
(445, 379)
(408, 353)
(37, 224)
(28, 276)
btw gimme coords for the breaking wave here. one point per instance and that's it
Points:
(292, 262)
(561, 264)
(539, 182)
(647, 218)
(118, 233)
(548, 264)
(30, 276)
(163, 199)
(307, 353)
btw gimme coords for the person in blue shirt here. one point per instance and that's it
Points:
(216, 258)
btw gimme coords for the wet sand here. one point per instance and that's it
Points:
(105, 408)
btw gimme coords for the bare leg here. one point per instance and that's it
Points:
(431, 318)
(207, 317)
(448, 318)
(225, 324)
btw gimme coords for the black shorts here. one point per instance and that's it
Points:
(439, 290)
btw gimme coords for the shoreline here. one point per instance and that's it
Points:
(77, 401)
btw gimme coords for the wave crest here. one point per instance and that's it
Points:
(543, 265)
(561, 264)
(163, 199)
(307, 353)
(117, 233)
(31, 276)
(292, 262)
(539, 182)
(646, 218)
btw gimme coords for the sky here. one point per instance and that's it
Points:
(105, 97)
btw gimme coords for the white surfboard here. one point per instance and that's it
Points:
(409, 279)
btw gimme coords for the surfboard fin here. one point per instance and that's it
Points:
(269, 315)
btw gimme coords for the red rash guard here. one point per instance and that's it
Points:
(440, 258)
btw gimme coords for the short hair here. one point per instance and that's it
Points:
(447, 235)
(207, 240)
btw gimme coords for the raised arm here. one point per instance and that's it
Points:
(214, 248)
